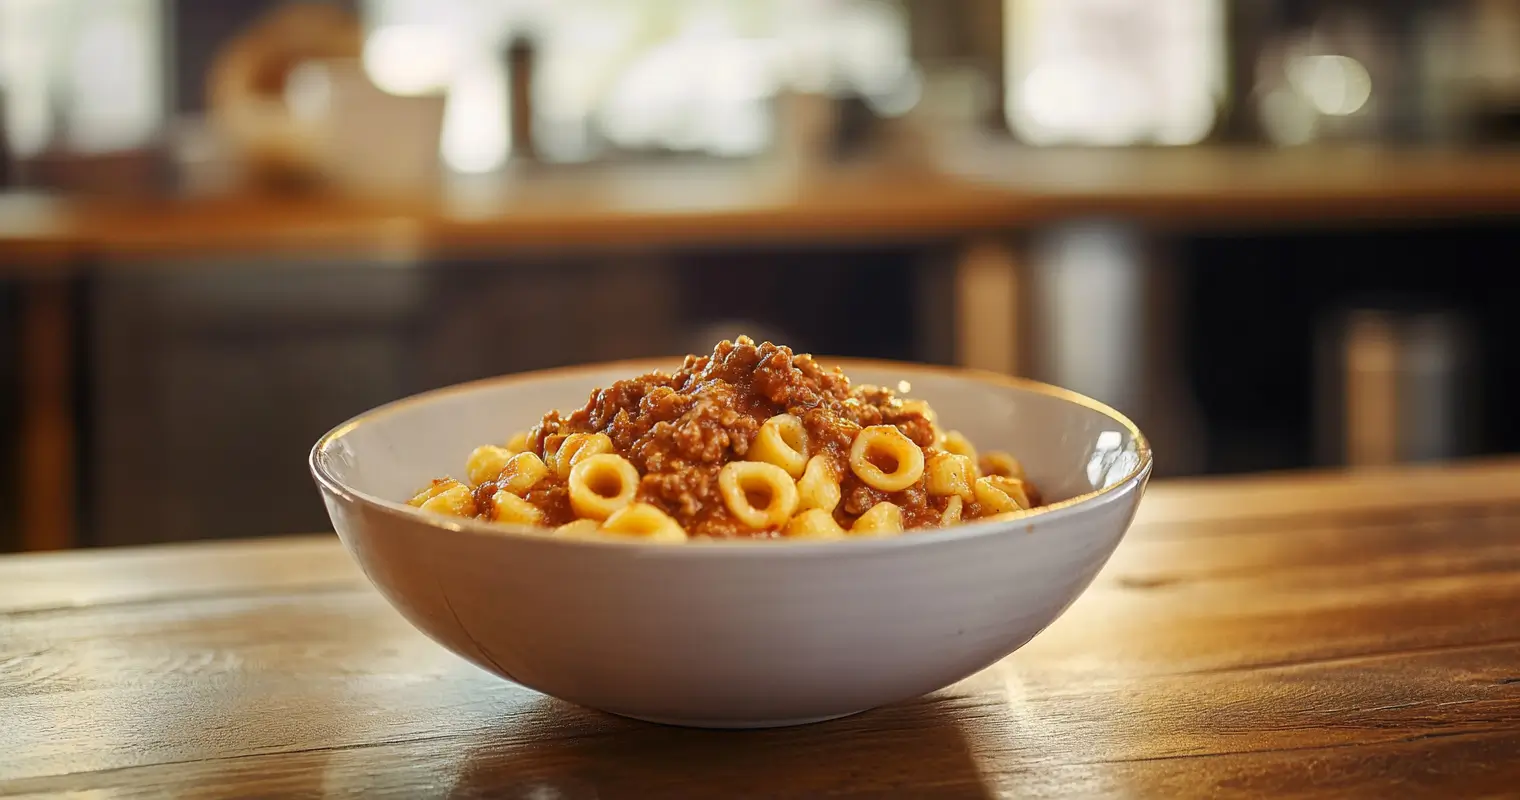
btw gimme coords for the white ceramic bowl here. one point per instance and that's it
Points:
(733, 634)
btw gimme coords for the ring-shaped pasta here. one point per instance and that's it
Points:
(579, 529)
(952, 513)
(485, 463)
(522, 472)
(578, 447)
(455, 501)
(949, 474)
(602, 484)
(819, 486)
(997, 462)
(508, 508)
(882, 519)
(814, 523)
(1000, 495)
(552, 443)
(518, 443)
(644, 521)
(886, 442)
(783, 441)
(957, 443)
(432, 490)
(739, 479)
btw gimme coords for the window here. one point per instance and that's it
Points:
(1113, 72)
(86, 73)
(683, 75)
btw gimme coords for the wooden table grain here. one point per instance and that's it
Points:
(1316, 635)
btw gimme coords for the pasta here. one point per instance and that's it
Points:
(486, 462)
(952, 513)
(751, 442)
(508, 507)
(1002, 464)
(601, 485)
(782, 441)
(884, 458)
(578, 447)
(757, 494)
(646, 521)
(883, 519)
(579, 527)
(819, 486)
(814, 523)
(522, 472)
(1001, 495)
(956, 443)
(446, 496)
(950, 475)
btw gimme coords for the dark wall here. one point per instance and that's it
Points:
(197, 30)
(209, 381)
(1259, 306)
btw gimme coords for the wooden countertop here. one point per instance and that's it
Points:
(968, 188)
(1318, 635)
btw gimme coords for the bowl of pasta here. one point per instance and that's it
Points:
(749, 538)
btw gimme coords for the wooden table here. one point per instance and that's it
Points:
(1324, 635)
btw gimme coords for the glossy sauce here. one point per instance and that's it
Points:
(679, 430)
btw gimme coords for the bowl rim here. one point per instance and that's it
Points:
(698, 548)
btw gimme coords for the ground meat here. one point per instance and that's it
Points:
(679, 429)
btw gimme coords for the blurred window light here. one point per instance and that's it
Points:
(27, 41)
(681, 75)
(93, 68)
(477, 129)
(578, 57)
(872, 48)
(804, 59)
(742, 130)
(901, 97)
(1336, 86)
(410, 60)
(1113, 72)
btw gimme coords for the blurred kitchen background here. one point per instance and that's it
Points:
(1278, 233)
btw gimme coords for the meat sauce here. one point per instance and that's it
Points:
(679, 430)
